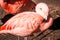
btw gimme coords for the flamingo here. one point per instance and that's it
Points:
(25, 23)
(16, 6)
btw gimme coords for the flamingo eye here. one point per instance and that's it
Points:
(40, 8)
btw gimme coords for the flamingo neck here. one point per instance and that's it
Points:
(41, 13)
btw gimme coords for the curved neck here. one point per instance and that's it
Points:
(41, 13)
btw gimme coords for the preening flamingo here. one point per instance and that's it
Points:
(16, 6)
(25, 23)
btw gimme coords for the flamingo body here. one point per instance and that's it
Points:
(23, 23)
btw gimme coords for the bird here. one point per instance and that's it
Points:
(17, 6)
(25, 23)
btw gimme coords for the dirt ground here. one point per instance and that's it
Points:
(53, 33)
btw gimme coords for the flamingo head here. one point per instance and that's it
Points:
(42, 9)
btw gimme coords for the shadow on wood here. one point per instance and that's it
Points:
(8, 16)
(56, 24)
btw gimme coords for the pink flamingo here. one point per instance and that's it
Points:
(25, 23)
(17, 6)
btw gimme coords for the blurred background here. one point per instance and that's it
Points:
(53, 33)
